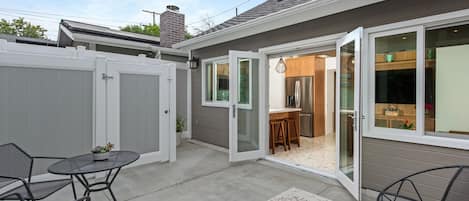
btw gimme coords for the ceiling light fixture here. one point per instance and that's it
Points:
(281, 67)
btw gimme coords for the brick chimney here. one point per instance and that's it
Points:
(171, 26)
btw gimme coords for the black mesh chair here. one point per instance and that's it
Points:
(16, 167)
(449, 183)
(14, 195)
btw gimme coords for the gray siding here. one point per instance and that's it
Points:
(175, 58)
(211, 124)
(386, 161)
(181, 94)
(121, 50)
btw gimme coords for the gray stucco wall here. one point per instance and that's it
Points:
(211, 124)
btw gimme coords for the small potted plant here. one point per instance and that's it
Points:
(101, 153)
(407, 125)
(180, 125)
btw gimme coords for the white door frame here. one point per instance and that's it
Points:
(234, 155)
(115, 69)
(353, 187)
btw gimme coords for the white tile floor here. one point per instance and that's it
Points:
(318, 153)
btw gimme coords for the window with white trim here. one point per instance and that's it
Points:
(418, 80)
(395, 80)
(215, 81)
(447, 81)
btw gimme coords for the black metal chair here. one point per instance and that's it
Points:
(16, 195)
(17, 166)
(450, 183)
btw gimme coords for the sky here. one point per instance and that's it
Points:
(118, 13)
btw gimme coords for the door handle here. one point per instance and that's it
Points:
(354, 118)
(234, 110)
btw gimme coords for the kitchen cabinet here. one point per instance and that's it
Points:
(300, 66)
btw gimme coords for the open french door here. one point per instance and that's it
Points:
(247, 106)
(348, 104)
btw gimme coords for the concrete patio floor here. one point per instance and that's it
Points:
(203, 174)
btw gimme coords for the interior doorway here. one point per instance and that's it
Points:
(302, 96)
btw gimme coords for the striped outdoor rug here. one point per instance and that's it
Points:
(294, 194)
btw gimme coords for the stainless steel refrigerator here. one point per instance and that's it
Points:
(300, 94)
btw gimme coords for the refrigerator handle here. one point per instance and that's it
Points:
(297, 94)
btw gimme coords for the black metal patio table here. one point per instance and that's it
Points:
(80, 166)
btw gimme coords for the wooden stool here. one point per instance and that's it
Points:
(292, 132)
(279, 137)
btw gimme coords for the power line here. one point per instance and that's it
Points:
(154, 15)
(66, 16)
(46, 18)
(220, 13)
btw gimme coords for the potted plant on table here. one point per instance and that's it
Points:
(101, 153)
(180, 125)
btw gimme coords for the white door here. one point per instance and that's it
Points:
(138, 110)
(348, 104)
(247, 106)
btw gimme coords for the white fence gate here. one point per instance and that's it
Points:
(63, 102)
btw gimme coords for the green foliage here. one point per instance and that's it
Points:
(180, 124)
(20, 27)
(151, 30)
(103, 149)
(187, 35)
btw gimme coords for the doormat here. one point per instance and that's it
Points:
(294, 194)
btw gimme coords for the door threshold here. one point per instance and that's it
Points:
(300, 167)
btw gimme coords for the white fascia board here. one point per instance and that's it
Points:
(67, 32)
(287, 17)
(87, 38)
(317, 42)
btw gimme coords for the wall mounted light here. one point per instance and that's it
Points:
(194, 63)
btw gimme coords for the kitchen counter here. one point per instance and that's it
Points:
(283, 110)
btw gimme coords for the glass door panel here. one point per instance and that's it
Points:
(248, 109)
(347, 90)
(247, 112)
(348, 103)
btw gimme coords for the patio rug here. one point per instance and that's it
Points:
(294, 194)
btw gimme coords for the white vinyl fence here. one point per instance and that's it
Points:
(64, 101)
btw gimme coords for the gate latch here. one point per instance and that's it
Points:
(107, 77)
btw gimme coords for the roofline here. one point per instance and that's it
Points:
(110, 32)
(283, 18)
(103, 40)
(29, 39)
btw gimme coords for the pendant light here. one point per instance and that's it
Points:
(281, 67)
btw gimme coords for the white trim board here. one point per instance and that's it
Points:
(316, 44)
(294, 15)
